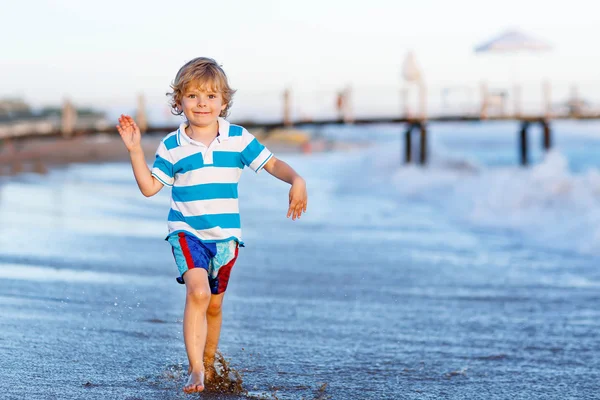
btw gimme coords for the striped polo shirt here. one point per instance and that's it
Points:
(204, 180)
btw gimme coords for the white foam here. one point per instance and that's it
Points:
(48, 274)
(546, 202)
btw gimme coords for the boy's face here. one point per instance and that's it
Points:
(202, 106)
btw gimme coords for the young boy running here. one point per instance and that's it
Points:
(203, 162)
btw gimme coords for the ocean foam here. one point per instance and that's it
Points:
(547, 202)
(38, 273)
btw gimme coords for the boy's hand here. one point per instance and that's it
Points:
(298, 198)
(130, 133)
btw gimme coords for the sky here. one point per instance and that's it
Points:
(103, 54)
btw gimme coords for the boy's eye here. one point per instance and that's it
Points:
(212, 96)
(191, 96)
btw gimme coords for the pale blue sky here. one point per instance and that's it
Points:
(107, 51)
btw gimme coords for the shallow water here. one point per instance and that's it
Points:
(470, 279)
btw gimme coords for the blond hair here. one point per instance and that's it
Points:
(205, 73)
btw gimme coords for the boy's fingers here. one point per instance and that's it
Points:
(296, 207)
(293, 211)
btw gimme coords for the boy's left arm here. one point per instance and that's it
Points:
(298, 195)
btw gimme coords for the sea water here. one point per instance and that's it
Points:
(469, 278)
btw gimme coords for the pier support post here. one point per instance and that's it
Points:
(547, 136)
(423, 143)
(422, 128)
(523, 143)
(408, 144)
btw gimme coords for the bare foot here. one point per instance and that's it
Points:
(195, 383)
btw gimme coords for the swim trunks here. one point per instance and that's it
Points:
(216, 258)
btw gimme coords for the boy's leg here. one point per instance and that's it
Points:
(214, 317)
(221, 266)
(195, 325)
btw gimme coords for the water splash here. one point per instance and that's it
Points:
(226, 379)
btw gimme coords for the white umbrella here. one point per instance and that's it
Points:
(513, 41)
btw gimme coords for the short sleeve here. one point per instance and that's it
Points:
(254, 154)
(163, 166)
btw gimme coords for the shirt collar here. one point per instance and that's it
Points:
(183, 139)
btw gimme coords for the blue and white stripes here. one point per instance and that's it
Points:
(204, 197)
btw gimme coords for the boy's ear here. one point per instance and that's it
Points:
(224, 106)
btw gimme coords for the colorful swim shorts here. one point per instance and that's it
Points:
(216, 258)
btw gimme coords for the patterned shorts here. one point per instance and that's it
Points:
(216, 258)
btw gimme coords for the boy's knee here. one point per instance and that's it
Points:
(214, 309)
(198, 295)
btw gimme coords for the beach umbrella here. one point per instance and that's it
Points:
(513, 41)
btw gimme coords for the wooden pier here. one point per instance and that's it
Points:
(70, 128)
(409, 128)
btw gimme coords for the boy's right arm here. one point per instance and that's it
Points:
(131, 135)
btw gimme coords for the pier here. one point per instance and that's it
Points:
(67, 124)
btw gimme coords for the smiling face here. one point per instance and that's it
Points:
(202, 105)
(202, 74)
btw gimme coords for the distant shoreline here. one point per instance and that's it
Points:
(41, 154)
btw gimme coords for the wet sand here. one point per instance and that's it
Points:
(372, 295)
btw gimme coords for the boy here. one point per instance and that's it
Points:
(203, 161)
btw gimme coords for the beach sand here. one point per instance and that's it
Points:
(39, 154)
(386, 289)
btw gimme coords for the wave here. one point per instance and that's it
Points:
(548, 203)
